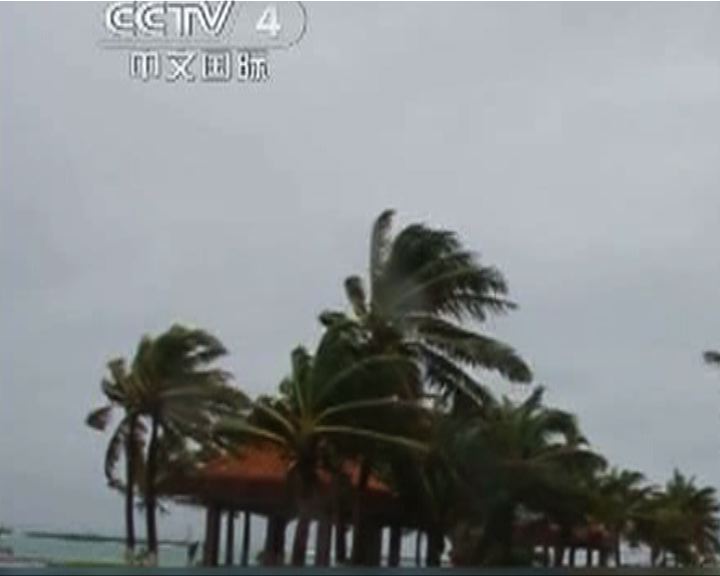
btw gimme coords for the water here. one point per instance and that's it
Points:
(58, 550)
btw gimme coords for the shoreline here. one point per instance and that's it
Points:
(93, 537)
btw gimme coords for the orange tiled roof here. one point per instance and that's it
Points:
(268, 464)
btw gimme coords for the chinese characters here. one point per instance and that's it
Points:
(206, 65)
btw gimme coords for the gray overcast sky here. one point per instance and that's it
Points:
(575, 146)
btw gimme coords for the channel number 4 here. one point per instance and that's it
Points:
(268, 23)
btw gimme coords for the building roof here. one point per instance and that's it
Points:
(257, 478)
(267, 463)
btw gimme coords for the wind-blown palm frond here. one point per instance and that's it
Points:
(99, 418)
(424, 285)
(379, 248)
(470, 348)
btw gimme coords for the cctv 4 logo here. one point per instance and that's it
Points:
(134, 20)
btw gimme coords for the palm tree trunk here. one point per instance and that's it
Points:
(245, 555)
(395, 545)
(230, 538)
(571, 557)
(434, 547)
(302, 531)
(274, 554)
(340, 524)
(618, 552)
(504, 532)
(150, 491)
(359, 528)
(130, 490)
(340, 541)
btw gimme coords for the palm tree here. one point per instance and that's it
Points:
(331, 407)
(182, 396)
(422, 285)
(122, 394)
(681, 522)
(620, 498)
(516, 461)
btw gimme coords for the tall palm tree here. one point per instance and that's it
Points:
(332, 406)
(182, 395)
(122, 394)
(422, 285)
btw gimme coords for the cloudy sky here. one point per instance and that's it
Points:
(574, 146)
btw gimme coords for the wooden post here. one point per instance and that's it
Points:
(274, 553)
(268, 549)
(340, 541)
(395, 545)
(418, 548)
(279, 540)
(300, 539)
(207, 550)
(230, 538)
(434, 548)
(217, 517)
(373, 543)
(212, 535)
(245, 554)
(323, 541)
(602, 557)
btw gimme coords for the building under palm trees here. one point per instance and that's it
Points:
(258, 480)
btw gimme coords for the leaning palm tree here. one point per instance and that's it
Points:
(122, 394)
(516, 462)
(331, 407)
(422, 285)
(182, 395)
